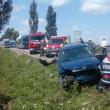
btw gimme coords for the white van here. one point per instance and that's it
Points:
(6, 43)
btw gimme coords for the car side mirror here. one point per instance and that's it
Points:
(100, 57)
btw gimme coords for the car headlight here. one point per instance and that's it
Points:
(75, 71)
(45, 48)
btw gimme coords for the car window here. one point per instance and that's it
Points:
(55, 41)
(25, 39)
(37, 38)
(75, 53)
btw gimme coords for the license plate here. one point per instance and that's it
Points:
(53, 53)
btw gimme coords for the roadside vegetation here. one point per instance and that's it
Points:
(32, 86)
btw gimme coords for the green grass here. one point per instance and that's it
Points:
(36, 87)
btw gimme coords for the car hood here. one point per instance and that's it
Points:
(82, 63)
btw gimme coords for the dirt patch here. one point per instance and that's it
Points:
(5, 102)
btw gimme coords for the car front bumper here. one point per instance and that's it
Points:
(52, 52)
(35, 50)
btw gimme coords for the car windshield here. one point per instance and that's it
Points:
(37, 38)
(75, 53)
(55, 41)
(7, 41)
(13, 42)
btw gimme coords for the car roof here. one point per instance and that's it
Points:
(25, 36)
(72, 45)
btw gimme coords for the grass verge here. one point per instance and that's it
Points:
(33, 86)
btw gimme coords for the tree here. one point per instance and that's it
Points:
(33, 19)
(5, 12)
(51, 29)
(10, 33)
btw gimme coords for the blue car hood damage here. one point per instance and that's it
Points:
(89, 62)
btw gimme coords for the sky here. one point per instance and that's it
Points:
(89, 17)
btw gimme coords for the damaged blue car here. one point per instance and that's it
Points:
(77, 63)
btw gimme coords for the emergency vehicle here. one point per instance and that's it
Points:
(54, 45)
(35, 42)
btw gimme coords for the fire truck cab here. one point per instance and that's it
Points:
(52, 47)
(35, 42)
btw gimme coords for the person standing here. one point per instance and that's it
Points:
(103, 45)
(91, 45)
(81, 41)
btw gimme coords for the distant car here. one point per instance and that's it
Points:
(6, 43)
(13, 43)
(77, 63)
(53, 46)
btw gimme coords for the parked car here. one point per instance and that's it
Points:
(6, 43)
(77, 63)
(13, 43)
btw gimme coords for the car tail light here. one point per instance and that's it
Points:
(106, 76)
(61, 45)
(47, 46)
(108, 57)
(46, 41)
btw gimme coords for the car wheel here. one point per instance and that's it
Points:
(47, 55)
(41, 54)
(63, 83)
(31, 52)
(100, 88)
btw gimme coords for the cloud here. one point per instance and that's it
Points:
(87, 32)
(25, 22)
(55, 3)
(75, 28)
(60, 2)
(19, 8)
(24, 31)
(44, 1)
(42, 21)
(95, 6)
(13, 18)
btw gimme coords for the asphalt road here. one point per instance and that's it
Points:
(26, 52)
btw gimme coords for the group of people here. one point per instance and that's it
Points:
(92, 45)
(104, 82)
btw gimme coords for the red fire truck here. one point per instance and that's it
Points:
(54, 44)
(52, 47)
(35, 42)
(66, 39)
